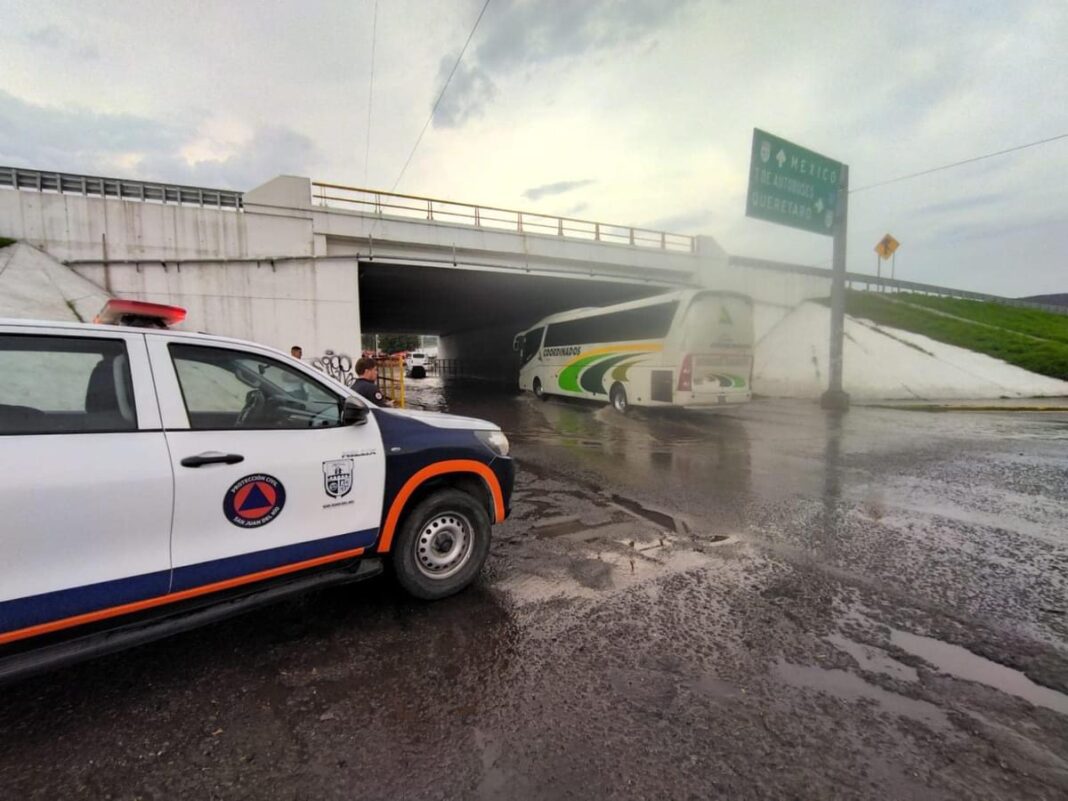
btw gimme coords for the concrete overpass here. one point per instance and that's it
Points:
(318, 264)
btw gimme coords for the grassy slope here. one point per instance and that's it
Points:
(1025, 321)
(1046, 358)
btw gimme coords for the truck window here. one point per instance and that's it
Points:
(64, 385)
(229, 389)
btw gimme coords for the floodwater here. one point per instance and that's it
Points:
(767, 602)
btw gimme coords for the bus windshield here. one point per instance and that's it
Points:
(531, 343)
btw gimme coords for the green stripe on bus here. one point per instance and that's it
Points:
(620, 373)
(728, 380)
(569, 376)
(593, 378)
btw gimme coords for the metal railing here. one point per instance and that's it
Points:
(377, 202)
(71, 184)
(391, 380)
(895, 284)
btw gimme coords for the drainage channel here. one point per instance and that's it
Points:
(662, 520)
(963, 664)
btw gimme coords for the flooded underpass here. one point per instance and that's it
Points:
(770, 602)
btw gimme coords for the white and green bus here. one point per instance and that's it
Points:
(686, 348)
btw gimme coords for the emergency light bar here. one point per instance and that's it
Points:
(139, 313)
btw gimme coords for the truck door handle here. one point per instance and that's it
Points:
(212, 457)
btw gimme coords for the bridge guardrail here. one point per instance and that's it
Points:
(893, 283)
(426, 208)
(72, 184)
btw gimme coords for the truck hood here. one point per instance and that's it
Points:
(441, 420)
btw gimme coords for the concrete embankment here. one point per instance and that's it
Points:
(883, 363)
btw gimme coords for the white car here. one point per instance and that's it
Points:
(154, 480)
(416, 365)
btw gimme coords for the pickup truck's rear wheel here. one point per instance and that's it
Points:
(441, 545)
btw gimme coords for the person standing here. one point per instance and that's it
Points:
(367, 382)
(297, 352)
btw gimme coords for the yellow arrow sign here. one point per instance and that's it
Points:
(886, 247)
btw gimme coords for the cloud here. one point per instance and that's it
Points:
(687, 222)
(80, 140)
(75, 139)
(963, 203)
(48, 36)
(558, 188)
(470, 91)
(525, 34)
(52, 37)
(271, 151)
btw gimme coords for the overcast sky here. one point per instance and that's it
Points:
(637, 112)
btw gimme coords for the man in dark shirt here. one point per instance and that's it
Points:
(367, 382)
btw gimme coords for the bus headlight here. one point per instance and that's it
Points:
(496, 441)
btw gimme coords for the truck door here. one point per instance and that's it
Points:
(267, 480)
(85, 478)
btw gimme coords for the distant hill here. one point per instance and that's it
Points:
(1060, 299)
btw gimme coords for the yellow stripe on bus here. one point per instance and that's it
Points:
(615, 349)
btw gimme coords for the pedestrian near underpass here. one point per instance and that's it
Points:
(367, 382)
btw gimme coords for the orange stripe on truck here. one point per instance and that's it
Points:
(170, 598)
(429, 472)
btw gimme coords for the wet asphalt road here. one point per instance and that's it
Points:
(773, 602)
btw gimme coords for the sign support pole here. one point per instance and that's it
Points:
(835, 397)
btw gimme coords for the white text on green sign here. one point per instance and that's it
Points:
(792, 186)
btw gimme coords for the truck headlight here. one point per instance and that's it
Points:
(496, 441)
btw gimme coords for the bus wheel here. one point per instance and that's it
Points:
(539, 393)
(618, 396)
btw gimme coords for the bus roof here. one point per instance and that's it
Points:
(591, 311)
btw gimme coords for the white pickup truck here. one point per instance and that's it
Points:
(415, 364)
(153, 480)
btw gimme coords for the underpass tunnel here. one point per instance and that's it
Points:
(476, 313)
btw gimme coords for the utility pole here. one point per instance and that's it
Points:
(835, 397)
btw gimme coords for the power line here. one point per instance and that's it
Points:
(441, 95)
(370, 94)
(958, 163)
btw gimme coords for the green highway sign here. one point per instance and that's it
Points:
(790, 185)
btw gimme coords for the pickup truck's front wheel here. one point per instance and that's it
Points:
(442, 544)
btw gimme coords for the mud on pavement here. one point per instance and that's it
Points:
(766, 604)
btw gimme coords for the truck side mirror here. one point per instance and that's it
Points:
(353, 413)
(517, 343)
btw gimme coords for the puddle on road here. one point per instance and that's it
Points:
(963, 664)
(560, 526)
(851, 687)
(661, 519)
(590, 573)
(872, 659)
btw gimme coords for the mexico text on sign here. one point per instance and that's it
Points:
(792, 186)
